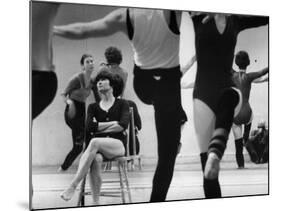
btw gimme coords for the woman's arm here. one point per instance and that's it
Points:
(110, 24)
(73, 84)
(254, 75)
(109, 127)
(188, 86)
(122, 124)
(261, 79)
(246, 22)
(116, 126)
(188, 65)
(93, 126)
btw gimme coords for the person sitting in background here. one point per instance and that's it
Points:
(258, 144)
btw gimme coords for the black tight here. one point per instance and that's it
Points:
(247, 129)
(76, 124)
(224, 120)
(239, 152)
(239, 144)
(165, 95)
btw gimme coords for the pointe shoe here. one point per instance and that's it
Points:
(67, 194)
(212, 166)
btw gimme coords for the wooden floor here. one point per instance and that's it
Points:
(186, 184)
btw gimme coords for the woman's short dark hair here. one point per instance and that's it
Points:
(113, 55)
(115, 81)
(242, 59)
(84, 56)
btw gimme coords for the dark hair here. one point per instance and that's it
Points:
(84, 56)
(242, 59)
(115, 81)
(113, 55)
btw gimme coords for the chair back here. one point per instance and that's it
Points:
(131, 134)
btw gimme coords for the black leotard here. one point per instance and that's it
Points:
(215, 52)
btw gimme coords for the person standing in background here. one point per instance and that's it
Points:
(75, 96)
(113, 58)
(243, 81)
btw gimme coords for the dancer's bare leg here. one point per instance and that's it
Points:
(204, 124)
(107, 146)
(95, 178)
(213, 162)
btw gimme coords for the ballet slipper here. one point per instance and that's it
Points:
(212, 167)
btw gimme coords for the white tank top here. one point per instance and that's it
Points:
(154, 44)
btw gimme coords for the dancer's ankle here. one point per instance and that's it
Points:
(213, 155)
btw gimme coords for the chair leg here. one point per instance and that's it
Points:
(121, 182)
(140, 165)
(108, 166)
(81, 197)
(127, 184)
(133, 164)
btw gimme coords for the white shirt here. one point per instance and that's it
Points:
(154, 44)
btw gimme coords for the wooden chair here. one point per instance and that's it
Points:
(123, 164)
(134, 156)
(123, 191)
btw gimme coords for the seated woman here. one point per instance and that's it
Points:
(105, 125)
(258, 144)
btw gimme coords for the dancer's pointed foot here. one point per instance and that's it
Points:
(68, 193)
(212, 166)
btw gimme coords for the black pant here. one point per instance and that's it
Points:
(165, 95)
(77, 125)
(44, 87)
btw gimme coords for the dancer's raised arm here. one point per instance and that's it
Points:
(110, 24)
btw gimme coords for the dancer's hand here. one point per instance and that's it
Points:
(206, 19)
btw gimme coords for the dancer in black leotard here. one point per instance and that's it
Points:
(244, 81)
(215, 99)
